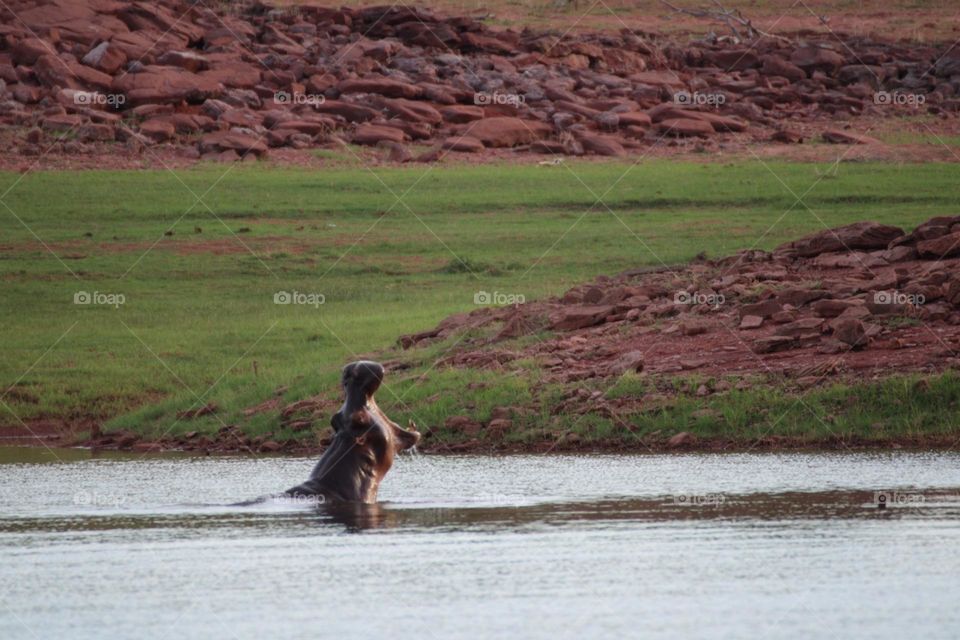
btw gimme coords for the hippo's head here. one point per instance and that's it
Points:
(364, 443)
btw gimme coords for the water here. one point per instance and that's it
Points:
(560, 546)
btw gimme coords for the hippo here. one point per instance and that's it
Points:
(364, 444)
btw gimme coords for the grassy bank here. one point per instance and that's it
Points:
(391, 251)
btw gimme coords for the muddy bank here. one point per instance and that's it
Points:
(112, 84)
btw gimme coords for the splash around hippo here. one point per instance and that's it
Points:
(364, 444)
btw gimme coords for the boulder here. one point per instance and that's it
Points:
(381, 86)
(582, 317)
(372, 134)
(859, 235)
(602, 145)
(236, 141)
(466, 144)
(685, 127)
(507, 131)
(939, 248)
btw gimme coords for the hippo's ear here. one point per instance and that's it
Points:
(336, 421)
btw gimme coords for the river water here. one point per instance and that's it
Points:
(559, 546)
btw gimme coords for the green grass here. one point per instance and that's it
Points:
(199, 323)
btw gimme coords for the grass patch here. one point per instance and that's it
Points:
(388, 251)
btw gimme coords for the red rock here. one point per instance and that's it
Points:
(96, 133)
(832, 308)
(412, 111)
(28, 50)
(850, 331)
(776, 66)
(382, 86)
(685, 127)
(461, 114)
(61, 122)
(236, 74)
(939, 248)
(751, 322)
(814, 58)
(371, 134)
(349, 112)
(189, 60)
(105, 58)
(860, 235)
(800, 327)
(224, 141)
(467, 144)
(158, 129)
(507, 132)
(765, 309)
(581, 317)
(629, 361)
(635, 119)
(838, 136)
(773, 344)
(165, 84)
(602, 145)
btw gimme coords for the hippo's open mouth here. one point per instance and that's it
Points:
(405, 438)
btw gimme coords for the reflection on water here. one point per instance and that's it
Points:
(727, 546)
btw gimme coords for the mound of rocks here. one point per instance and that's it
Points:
(862, 297)
(231, 82)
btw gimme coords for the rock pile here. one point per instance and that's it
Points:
(233, 83)
(863, 297)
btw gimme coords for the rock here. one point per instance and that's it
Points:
(772, 344)
(28, 50)
(850, 331)
(803, 326)
(270, 446)
(751, 322)
(629, 361)
(797, 297)
(860, 235)
(582, 317)
(224, 141)
(347, 111)
(815, 58)
(507, 131)
(105, 58)
(683, 127)
(833, 308)
(381, 86)
(939, 248)
(157, 84)
(776, 66)
(372, 134)
(764, 309)
(682, 439)
(158, 129)
(461, 114)
(838, 136)
(467, 144)
(602, 145)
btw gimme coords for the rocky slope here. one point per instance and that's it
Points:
(861, 301)
(80, 76)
